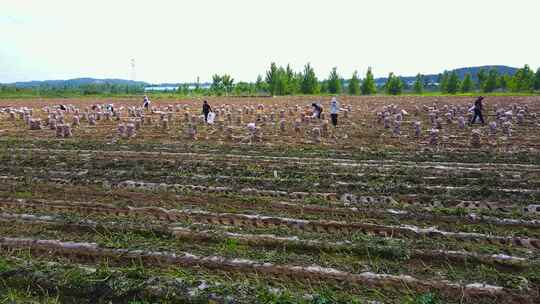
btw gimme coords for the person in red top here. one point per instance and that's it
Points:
(478, 107)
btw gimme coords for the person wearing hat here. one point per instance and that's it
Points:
(334, 110)
(478, 107)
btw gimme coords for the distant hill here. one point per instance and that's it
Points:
(76, 82)
(433, 78)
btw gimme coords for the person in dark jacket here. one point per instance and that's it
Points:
(206, 109)
(478, 107)
(317, 110)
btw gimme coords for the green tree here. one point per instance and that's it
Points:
(490, 83)
(354, 84)
(394, 85)
(185, 89)
(453, 83)
(467, 83)
(418, 85)
(334, 82)
(217, 84)
(368, 84)
(443, 82)
(523, 80)
(244, 88)
(537, 79)
(271, 78)
(503, 81)
(309, 83)
(228, 83)
(482, 77)
(260, 85)
(293, 81)
(324, 86)
(282, 81)
(277, 80)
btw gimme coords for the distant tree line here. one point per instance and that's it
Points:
(524, 80)
(284, 81)
(67, 89)
(279, 80)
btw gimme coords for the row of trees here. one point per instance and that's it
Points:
(74, 89)
(524, 80)
(279, 80)
(284, 81)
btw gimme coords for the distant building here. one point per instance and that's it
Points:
(160, 89)
(171, 88)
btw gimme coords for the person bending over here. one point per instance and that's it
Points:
(317, 110)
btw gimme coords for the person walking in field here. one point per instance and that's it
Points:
(317, 110)
(334, 110)
(146, 103)
(206, 110)
(478, 107)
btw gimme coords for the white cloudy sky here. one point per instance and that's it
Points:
(176, 41)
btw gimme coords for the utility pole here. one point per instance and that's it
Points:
(133, 75)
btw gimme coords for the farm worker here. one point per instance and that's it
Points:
(205, 110)
(317, 110)
(334, 110)
(110, 107)
(63, 107)
(478, 110)
(147, 102)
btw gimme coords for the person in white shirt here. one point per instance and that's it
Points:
(334, 110)
(146, 103)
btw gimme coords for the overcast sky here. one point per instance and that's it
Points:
(176, 41)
